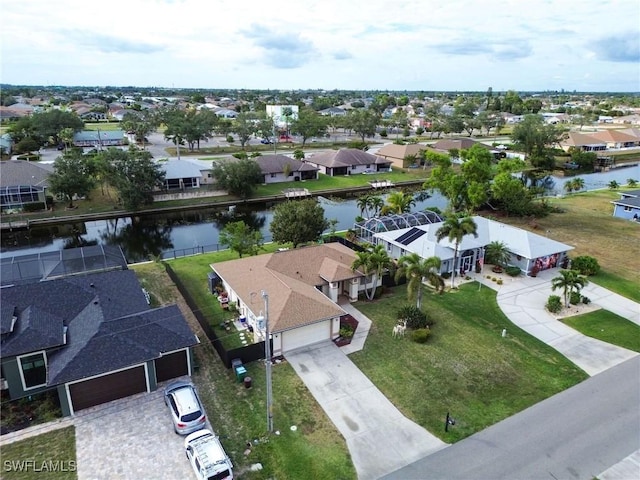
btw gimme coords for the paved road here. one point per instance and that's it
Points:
(576, 434)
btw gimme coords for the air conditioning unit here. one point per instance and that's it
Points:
(4, 385)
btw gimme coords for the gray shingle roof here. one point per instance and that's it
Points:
(21, 172)
(110, 325)
(275, 164)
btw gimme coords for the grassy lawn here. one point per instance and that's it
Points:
(465, 368)
(608, 327)
(314, 450)
(103, 126)
(326, 182)
(586, 222)
(50, 455)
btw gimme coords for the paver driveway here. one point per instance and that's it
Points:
(130, 438)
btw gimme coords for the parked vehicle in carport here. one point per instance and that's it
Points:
(186, 409)
(208, 459)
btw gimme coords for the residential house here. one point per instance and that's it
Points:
(333, 112)
(348, 161)
(402, 156)
(582, 141)
(628, 207)
(23, 185)
(527, 249)
(303, 287)
(464, 143)
(182, 174)
(99, 138)
(280, 168)
(93, 338)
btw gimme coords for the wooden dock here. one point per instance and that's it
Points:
(296, 193)
(381, 184)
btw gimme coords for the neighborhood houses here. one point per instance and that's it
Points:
(349, 333)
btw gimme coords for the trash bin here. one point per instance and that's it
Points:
(241, 373)
(247, 382)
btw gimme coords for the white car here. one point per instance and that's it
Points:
(207, 457)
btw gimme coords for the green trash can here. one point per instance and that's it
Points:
(241, 372)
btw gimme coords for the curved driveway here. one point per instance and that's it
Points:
(522, 301)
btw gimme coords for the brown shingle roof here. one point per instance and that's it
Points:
(394, 150)
(290, 278)
(346, 157)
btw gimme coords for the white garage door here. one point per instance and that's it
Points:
(308, 335)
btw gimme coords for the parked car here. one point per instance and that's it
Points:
(186, 409)
(266, 141)
(286, 138)
(208, 459)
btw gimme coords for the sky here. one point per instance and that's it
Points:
(453, 45)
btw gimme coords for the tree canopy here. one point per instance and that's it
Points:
(309, 124)
(135, 177)
(238, 177)
(363, 122)
(241, 238)
(71, 176)
(298, 222)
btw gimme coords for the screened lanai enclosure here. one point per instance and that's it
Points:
(367, 228)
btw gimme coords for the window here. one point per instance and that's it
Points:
(34, 370)
(273, 175)
(627, 208)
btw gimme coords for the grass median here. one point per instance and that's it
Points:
(608, 327)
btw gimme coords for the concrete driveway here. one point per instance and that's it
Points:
(380, 439)
(130, 438)
(523, 302)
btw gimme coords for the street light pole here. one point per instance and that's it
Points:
(267, 354)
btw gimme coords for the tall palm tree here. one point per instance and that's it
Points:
(417, 270)
(364, 202)
(455, 228)
(569, 281)
(372, 263)
(376, 204)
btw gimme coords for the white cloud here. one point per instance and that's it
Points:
(355, 44)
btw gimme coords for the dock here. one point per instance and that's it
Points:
(381, 184)
(296, 193)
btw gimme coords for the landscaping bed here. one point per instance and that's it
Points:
(28, 411)
(348, 326)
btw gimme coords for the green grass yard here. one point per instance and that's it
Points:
(608, 327)
(465, 368)
(51, 455)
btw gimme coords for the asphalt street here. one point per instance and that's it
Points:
(576, 434)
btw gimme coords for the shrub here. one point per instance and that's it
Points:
(230, 139)
(499, 282)
(415, 317)
(446, 275)
(586, 265)
(421, 335)
(574, 298)
(586, 300)
(513, 271)
(346, 331)
(554, 304)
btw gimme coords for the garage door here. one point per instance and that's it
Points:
(308, 335)
(171, 366)
(107, 388)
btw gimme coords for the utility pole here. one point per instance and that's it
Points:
(267, 354)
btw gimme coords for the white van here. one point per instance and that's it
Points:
(207, 457)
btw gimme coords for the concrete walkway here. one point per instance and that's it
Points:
(380, 439)
(523, 299)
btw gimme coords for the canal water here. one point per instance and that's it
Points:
(183, 233)
(172, 234)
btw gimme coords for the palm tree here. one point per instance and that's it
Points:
(497, 253)
(455, 228)
(569, 281)
(363, 203)
(376, 204)
(398, 202)
(417, 270)
(578, 183)
(372, 263)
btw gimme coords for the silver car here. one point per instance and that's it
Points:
(186, 409)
